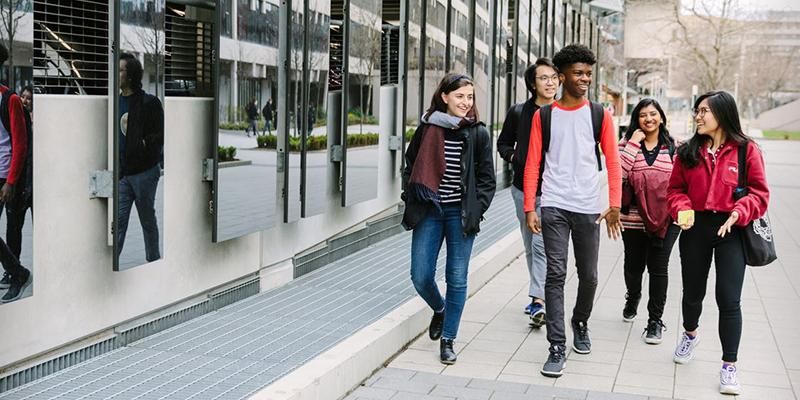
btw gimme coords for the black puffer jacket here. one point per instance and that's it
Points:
(477, 178)
(144, 141)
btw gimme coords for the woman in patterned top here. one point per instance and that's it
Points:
(646, 157)
(448, 184)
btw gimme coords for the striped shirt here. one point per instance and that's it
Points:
(450, 187)
(632, 160)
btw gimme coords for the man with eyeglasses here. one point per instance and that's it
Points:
(541, 79)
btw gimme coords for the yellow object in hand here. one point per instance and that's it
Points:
(686, 217)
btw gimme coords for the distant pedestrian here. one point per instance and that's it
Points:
(312, 119)
(541, 78)
(448, 184)
(646, 155)
(703, 199)
(252, 116)
(267, 113)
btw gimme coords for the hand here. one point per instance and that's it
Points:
(638, 136)
(688, 224)
(6, 192)
(726, 227)
(533, 222)
(613, 224)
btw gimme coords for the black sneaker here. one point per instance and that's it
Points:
(17, 287)
(556, 361)
(653, 331)
(580, 340)
(437, 323)
(6, 281)
(446, 353)
(631, 304)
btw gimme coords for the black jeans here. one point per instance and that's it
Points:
(9, 260)
(645, 250)
(15, 211)
(697, 246)
(557, 227)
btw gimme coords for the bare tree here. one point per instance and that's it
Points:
(150, 33)
(367, 41)
(707, 39)
(11, 12)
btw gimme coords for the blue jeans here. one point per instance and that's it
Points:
(426, 241)
(141, 189)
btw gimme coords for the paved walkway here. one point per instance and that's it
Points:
(500, 356)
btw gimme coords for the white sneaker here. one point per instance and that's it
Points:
(685, 350)
(728, 383)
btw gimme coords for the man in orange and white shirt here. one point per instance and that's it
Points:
(571, 203)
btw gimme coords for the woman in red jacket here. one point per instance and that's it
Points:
(700, 198)
(646, 156)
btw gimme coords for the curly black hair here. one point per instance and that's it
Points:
(572, 54)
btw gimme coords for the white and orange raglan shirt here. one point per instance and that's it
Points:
(571, 180)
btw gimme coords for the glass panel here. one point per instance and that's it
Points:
(16, 245)
(523, 21)
(413, 101)
(501, 88)
(363, 94)
(435, 32)
(139, 164)
(316, 174)
(247, 112)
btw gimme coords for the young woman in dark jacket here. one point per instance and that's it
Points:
(646, 158)
(701, 198)
(448, 184)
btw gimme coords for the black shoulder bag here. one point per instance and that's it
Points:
(757, 240)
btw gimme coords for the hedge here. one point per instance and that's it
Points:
(318, 142)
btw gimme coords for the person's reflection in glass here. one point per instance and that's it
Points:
(267, 113)
(23, 198)
(252, 117)
(141, 141)
(13, 148)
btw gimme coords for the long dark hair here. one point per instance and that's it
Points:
(449, 83)
(133, 70)
(663, 134)
(723, 108)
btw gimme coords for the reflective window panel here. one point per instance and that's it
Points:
(316, 174)
(16, 223)
(139, 121)
(360, 172)
(247, 110)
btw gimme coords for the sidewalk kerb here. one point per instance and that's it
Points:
(337, 371)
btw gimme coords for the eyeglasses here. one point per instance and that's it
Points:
(545, 79)
(702, 111)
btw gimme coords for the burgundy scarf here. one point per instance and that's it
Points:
(429, 166)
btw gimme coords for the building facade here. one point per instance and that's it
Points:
(238, 208)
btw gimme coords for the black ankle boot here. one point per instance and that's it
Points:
(437, 323)
(446, 353)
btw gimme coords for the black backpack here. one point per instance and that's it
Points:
(545, 114)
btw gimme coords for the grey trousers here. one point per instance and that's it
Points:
(557, 226)
(534, 247)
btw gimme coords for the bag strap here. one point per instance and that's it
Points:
(598, 114)
(742, 181)
(5, 116)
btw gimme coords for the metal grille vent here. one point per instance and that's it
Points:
(337, 45)
(123, 338)
(390, 55)
(70, 41)
(189, 52)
